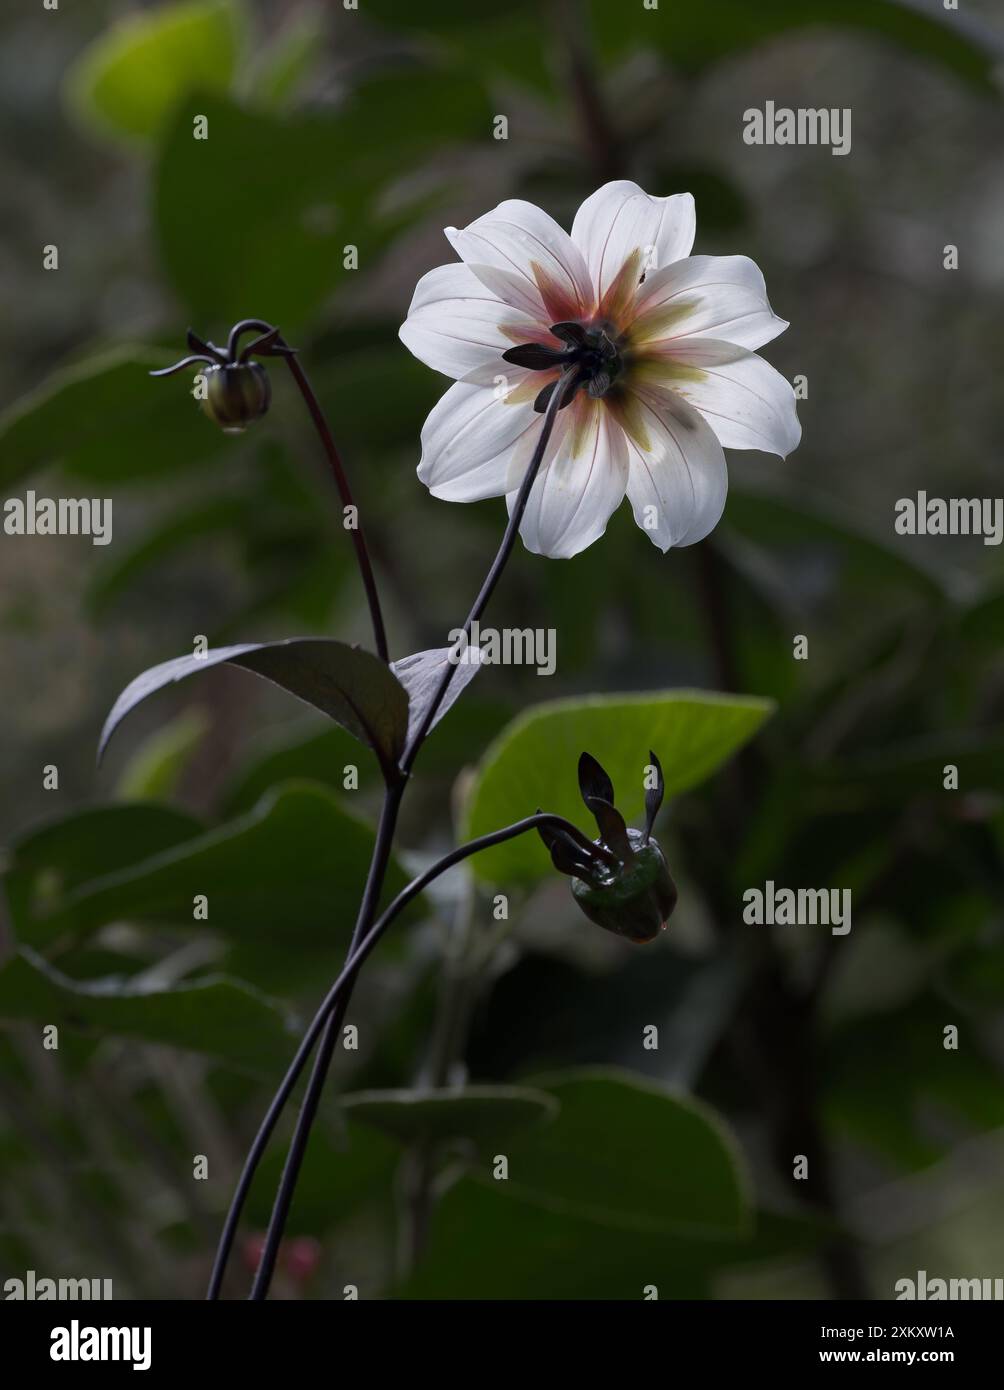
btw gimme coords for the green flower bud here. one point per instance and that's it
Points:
(236, 394)
(620, 881)
(634, 900)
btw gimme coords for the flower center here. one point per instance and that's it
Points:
(591, 358)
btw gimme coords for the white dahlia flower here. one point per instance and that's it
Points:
(654, 349)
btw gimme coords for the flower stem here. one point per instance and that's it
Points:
(338, 470)
(492, 577)
(318, 1076)
(379, 862)
(337, 995)
(345, 493)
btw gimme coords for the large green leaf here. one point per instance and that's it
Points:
(533, 761)
(289, 874)
(627, 1152)
(343, 1173)
(488, 1241)
(350, 686)
(693, 36)
(483, 1114)
(130, 79)
(255, 219)
(301, 751)
(48, 864)
(215, 1015)
(104, 419)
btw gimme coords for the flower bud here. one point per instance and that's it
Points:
(620, 881)
(236, 394)
(633, 899)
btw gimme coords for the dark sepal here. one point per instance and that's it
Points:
(572, 333)
(613, 831)
(207, 350)
(566, 856)
(653, 796)
(185, 362)
(264, 344)
(535, 356)
(593, 781)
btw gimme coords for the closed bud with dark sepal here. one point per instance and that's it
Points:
(237, 393)
(636, 899)
(624, 884)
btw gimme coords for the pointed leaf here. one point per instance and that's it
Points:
(350, 686)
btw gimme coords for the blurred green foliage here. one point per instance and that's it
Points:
(336, 138)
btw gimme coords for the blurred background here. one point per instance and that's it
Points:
(631, 1165)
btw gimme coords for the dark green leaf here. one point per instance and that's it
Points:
(693, 36)
(488, 1242)
(627, 1152)
(483, 1114)
(350, 686)
(48, 864)
(215, 1015)
(104, 419)
(255, 219)
(300, 752)
(288, 875)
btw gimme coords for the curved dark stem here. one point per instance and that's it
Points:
(345, 493)
(558, 399)
(318, 1076)
(277, 345)
(239, 329)
(335, 996)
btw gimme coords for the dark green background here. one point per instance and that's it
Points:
(374, 128)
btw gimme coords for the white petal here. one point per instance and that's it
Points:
(621, 218)
(747, 403)
(468, 439)
(525, 258)
(721, 297)
(580, 484)
(456, 326)
(678, 480)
